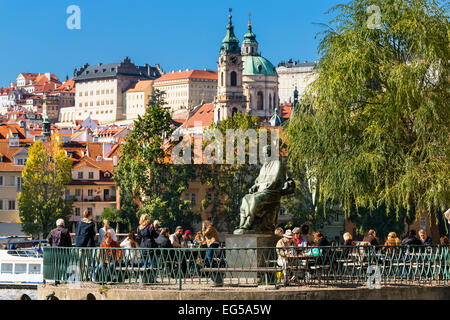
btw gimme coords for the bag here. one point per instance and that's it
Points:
(56, 238)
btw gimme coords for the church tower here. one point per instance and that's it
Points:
(249, 45)
(230, 97)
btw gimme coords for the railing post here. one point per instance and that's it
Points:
(179, 269)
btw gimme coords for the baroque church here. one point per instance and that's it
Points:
(247, 81)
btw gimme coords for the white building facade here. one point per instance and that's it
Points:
(294, 75)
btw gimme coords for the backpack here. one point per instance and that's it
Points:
(56, 238)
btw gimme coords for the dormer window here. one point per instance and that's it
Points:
(21, 161)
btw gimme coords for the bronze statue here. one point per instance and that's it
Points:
(259, 209)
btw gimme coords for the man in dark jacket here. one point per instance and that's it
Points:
(59, 237)
(85, 231)
(411, 239)
(163, 240)
(167, 257)
(424, 238)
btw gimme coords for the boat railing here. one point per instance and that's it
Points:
(24, 253)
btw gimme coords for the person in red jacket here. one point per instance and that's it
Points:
(109, 258)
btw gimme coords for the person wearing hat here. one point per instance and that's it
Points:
(286, 248)
(186, 242)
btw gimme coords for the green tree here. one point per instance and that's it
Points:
(111, 215)
(145, 176)
(378, 133)
(377, 219)
(41, 201)
(305, 206)
(230, 181)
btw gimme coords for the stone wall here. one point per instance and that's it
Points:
(148, 293)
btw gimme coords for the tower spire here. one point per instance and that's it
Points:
(249, 45)
(230, 44)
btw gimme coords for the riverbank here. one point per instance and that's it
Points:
(136, 292)
(12, 294)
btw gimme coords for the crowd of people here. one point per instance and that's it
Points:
(153, 236)
(147, 236)
(292, 241)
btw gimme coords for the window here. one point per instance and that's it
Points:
(34, 268)
(233, 79)
(11, 181)
(91, 175)
(193, 198)
(19, 184)
(6, 268)
(90, 193)
(186, 196)
(77, 192)
(1, 204)
(77, 212)
(209, 197)
(89, 210)
(21, 161)
(260, 101)
(80, 175)
(1, 180)
(20, 268)
(216, 197)
(12, 205)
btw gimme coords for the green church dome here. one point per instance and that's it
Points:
(257, 65)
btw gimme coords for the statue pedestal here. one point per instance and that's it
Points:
(251, 259)
(251, 240)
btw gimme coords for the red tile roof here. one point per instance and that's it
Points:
(7, 153)
(203, 114)
(139, 86)
(191, 74)
(285, 111)
(8, 129)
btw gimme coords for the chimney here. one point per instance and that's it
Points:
(115, 161)
(47, 74)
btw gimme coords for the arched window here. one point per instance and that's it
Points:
(233, 79)
(260, 101)
(218, 115)
(270, 101)
(221, 79)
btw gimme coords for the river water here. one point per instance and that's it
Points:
(11, 294)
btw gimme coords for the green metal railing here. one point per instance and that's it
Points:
(191, 267)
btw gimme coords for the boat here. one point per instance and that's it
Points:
(20, 267)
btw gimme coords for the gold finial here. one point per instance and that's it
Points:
(229, 16)
(249, 19)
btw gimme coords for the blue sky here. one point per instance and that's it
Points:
(176, 34)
